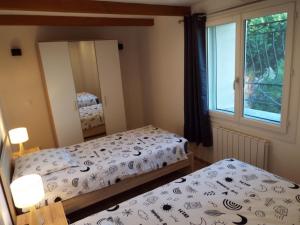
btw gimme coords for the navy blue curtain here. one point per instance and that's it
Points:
(197, 126)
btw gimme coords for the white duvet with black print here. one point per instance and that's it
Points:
(108, 160)
(228, 192)
(91, 116)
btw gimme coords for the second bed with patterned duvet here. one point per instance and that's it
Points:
(228, 192)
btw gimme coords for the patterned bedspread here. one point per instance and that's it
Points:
(86, 99)
(91, 116)
(108, 160)
(226, 193)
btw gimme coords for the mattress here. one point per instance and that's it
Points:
(86, 99)
(91, 116)
(227, 192)
(104, 161)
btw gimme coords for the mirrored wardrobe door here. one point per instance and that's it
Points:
(87, 86)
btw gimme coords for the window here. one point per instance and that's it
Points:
(221, 58)
(264, 66)
(248, 63)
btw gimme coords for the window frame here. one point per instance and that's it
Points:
(221, 21)
(239, 19)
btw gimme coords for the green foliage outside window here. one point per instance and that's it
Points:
(264, 62)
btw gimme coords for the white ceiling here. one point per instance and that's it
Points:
(162, 2)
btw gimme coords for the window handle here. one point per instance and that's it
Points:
(236, 82)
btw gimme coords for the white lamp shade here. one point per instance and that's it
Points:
(27, 191)
(18, 135)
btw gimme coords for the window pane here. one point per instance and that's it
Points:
(221, 66)
(264, 66)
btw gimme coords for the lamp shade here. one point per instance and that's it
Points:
(27, 191)
(18, 135)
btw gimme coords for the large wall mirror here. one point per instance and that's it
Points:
(84, 85)
(87, 87)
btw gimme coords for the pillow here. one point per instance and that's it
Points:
(44, 162)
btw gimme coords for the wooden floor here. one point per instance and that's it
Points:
(130, 194)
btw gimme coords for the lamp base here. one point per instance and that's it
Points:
(35, 217)
(21, 149)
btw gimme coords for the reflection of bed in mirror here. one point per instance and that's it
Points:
(84, 86)
(86, 99)
(91, 115)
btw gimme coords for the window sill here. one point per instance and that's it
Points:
(252, 127)
(222, 115)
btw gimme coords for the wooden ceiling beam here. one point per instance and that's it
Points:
(72, 21)
(92, 6)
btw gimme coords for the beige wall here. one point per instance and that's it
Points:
(84, 67)
(162, 63)
(216, 5)
(22, 94)
(21, 91)
(132, 72)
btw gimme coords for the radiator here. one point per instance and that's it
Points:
(233, 144)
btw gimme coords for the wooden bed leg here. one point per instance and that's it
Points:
(190, 168)
(191, 159)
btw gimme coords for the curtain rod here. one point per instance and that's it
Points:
(226, 9)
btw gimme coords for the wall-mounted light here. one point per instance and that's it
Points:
(16, 51)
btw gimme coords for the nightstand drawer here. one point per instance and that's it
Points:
(52, 214)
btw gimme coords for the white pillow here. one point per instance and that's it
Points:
(43, 162)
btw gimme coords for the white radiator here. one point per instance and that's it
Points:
(233, 144)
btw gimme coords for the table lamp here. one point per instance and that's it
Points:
(27, 191)
(18, 136)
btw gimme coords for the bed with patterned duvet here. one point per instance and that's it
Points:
(89, 166)
(226, 193)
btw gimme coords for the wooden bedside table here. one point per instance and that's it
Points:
(26, 151)
(53, 214)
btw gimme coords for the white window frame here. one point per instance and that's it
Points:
(222, 21)
(239, 18)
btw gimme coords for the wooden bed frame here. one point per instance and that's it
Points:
(94, 131)
(82, 201)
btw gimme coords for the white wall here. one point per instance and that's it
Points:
(22, 95)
